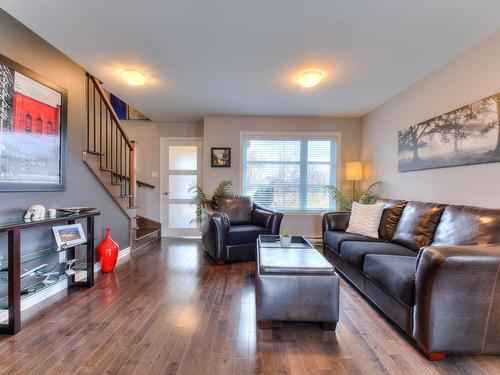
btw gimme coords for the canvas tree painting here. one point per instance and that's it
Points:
(467, 135)
(31, 131)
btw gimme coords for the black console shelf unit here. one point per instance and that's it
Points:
(13, 227)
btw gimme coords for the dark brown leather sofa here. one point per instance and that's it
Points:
(435, 271)
(231, 226)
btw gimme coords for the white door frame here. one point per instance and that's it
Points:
(163, 157)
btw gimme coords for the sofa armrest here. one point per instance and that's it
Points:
(214, 226)
(271, 217)
(457, 299)
(335, 220)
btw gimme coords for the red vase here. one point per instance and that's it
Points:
(107, 253)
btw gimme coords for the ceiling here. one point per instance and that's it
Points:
(215, 57)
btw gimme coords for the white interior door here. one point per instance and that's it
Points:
(181, 168)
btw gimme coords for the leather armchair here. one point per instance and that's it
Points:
(457, 296)
(231, 226)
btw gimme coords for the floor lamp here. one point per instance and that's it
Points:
(354, 172)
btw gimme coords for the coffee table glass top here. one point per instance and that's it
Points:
(301, 257)
(298, 242)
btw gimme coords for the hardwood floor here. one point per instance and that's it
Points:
(171, 310)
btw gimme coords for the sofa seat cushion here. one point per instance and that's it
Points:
(354, 252)
(395, 274)
(245, 234)
(333, 239)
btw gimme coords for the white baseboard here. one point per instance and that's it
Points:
(30, 301)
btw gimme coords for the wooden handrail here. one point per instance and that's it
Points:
(138, 182)
(112, 112)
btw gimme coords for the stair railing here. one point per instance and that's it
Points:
(107, 139)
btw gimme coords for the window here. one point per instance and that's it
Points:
(289, 173)
(39, 126)
(28, 124)
(50, 128)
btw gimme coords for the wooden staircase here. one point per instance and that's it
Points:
(110, 155)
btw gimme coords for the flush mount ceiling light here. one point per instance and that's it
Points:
(133, 77)
(310, 78)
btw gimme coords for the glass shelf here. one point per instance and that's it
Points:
(36, 255)
(39, 286)
(19, 222)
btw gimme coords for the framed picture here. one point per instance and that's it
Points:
(221, 157)
(32, 130)
(69, 235)
(465, 136)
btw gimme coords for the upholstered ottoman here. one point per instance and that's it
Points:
(295, 284)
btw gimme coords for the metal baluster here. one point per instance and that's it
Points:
(93, 112)
(100, 130)
(87, 102)
(121, 163)
(107, 164)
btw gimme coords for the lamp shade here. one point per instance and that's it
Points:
(354, 171)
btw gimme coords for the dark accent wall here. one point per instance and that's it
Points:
(20, 44)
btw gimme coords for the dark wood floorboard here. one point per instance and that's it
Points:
(171, 310)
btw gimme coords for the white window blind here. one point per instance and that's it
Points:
(289, 173)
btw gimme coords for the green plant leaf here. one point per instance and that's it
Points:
(345, 199)
(200, 199)
(223, 190)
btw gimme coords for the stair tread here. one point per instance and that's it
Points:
(144, 232)
(106, 169)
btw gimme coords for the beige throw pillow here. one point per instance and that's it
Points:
(365, 219)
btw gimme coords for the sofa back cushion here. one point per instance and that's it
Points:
(466, 225)
(238, 209)
(390, 217)
(417, 224)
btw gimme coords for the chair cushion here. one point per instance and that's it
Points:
(467, 225)
(390, 217)
(365, 219)
(417, 224)
(245, 234)
(333, 239)
(354, 252)
(395, 274)
(260, 217)
(238, 209)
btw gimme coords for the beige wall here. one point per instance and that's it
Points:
(148, 134)
(225, 132)
(471, 76)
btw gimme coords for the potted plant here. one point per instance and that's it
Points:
(344, 199)
(285, 239)
(200, 199)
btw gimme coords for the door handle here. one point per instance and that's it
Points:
(166, 193)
